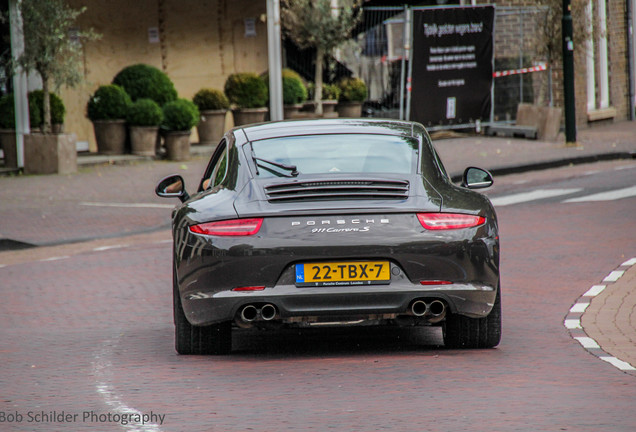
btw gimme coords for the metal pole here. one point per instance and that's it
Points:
(20, 84)
(409, 20)
(631, 4)
(568, 74)
(521, 36)
(405, 48)
(275, 60)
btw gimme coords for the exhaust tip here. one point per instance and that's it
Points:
(437, 308)
(419, 308)
(249, 313)
(268, 312)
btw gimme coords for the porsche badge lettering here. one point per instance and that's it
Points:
(327, 225)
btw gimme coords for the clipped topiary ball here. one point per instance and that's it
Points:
(144, 112)
(144, 81)
(180, 115)
(246, 90)
(352, 90)
(7, 112)
(211, 99)
(58, 110)
(330, 92)
(294, 91)
(110, 102)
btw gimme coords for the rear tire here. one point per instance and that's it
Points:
(188, 339)
(463, 332)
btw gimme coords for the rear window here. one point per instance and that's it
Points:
(336, 153)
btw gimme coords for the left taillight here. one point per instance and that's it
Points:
(449, 221)
(233, 227)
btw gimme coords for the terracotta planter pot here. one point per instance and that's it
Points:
(211, 126)
(291, 111)
(110, 136)
(177, 145)
(8, 145)
(143, 140)
(249, 115)
(50, 154)
(349, 109)
(329, 106)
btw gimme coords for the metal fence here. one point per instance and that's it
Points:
(376, 54)
(519, 59)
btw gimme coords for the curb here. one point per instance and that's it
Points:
(572, 321)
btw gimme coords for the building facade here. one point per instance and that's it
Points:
(198, 43)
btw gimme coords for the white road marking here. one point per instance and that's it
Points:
(103, 374)
(571, 324)
(579, 307)
(620, 168)
(589, 173)
(57, 258)
(531, 196)
(614, 276)
(127, 205)
(594, 291)
(630, 262)
(620, 364)
(105, 248)
(606, 196)
(587, 342)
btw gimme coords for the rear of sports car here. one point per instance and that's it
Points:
(315, 244)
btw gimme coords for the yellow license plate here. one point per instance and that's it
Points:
(343, 273)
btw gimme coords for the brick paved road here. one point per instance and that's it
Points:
(93, 332)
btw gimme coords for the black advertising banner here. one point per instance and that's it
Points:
(452, 65)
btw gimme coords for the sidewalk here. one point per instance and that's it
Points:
(112, 197)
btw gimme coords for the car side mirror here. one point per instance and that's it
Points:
(476, 178)
(172, 187)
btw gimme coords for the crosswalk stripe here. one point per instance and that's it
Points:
(531, 196)
(128, 205)
(606, 196)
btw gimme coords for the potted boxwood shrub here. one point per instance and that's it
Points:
(144, 117)
(107, 110)
(144, 81)
(7, 131)
(213, 106)
(353, 91)
(58, 110)
(330, 95)
(248, 93)
(294, 93)
(8, 142)
(179, 117)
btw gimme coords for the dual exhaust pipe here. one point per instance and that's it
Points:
(251, 313)
(434, 309)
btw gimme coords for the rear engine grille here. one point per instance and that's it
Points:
(338, 190)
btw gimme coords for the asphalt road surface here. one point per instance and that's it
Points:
(86, 338)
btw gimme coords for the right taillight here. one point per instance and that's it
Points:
(449, 221)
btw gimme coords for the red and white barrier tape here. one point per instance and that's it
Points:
(537, 68)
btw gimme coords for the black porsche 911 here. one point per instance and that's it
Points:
(343, 222)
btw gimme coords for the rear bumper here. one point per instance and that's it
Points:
(342, 302)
